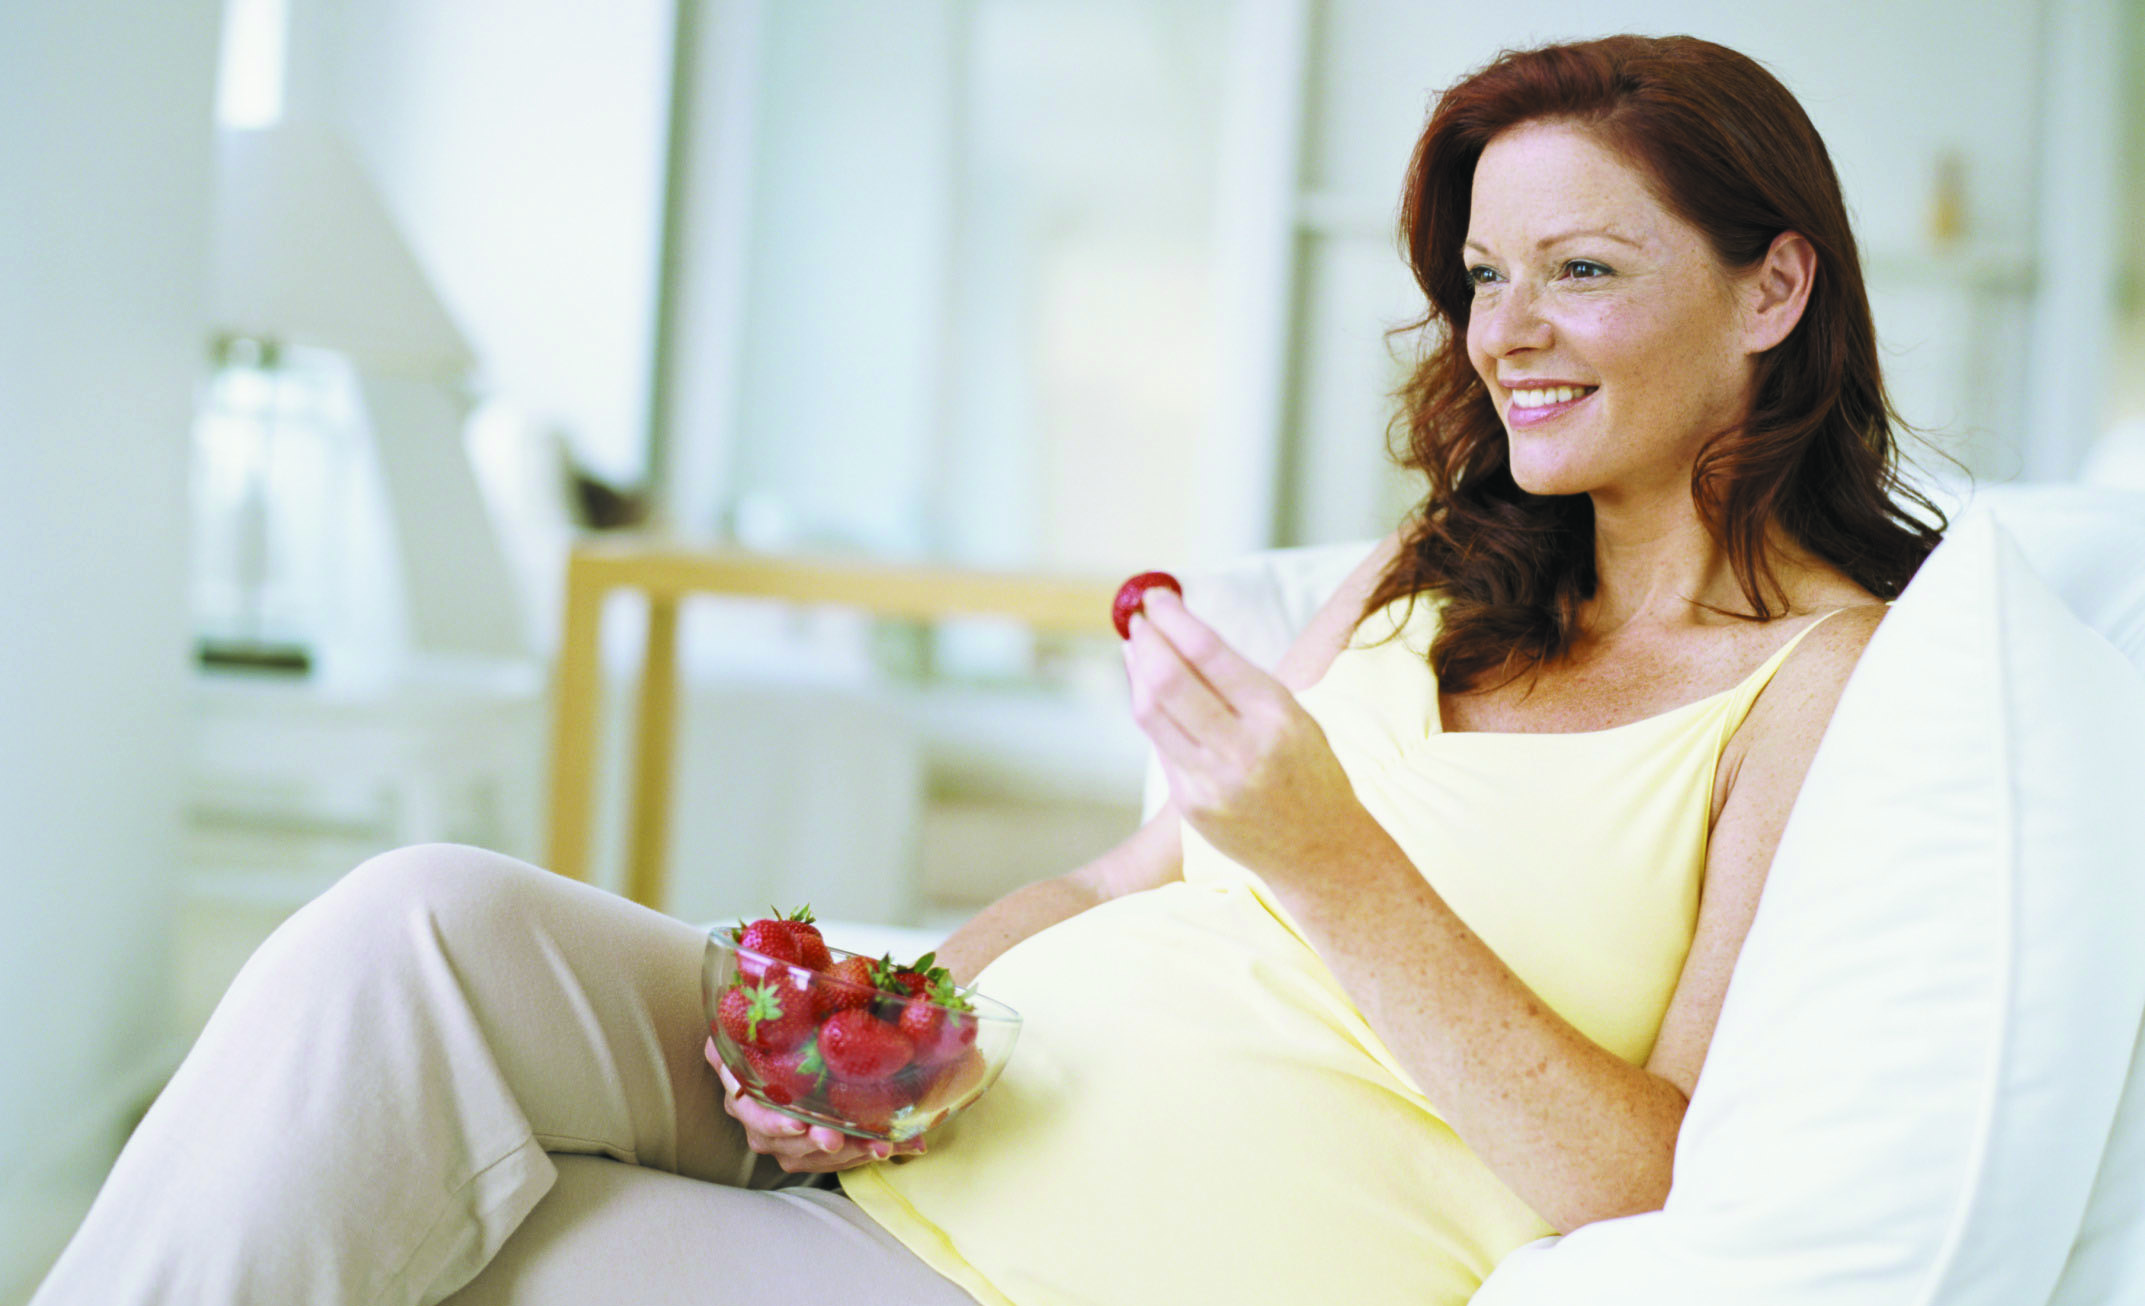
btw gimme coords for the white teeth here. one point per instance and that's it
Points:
(1542, 398)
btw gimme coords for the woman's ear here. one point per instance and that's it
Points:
(1777, 291)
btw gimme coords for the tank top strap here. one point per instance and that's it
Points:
(1743, 696)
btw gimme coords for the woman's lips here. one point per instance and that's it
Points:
(1518, 416)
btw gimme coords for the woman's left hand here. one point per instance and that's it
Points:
(1248, 767)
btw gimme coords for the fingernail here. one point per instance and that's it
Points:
(881, 1150)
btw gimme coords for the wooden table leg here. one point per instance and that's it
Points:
(648, 866)
(576, 698)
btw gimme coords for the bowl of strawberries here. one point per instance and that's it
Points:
(865, 1045)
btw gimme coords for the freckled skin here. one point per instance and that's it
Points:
(1625, 296)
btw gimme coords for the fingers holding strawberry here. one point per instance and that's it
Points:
(1250, 770)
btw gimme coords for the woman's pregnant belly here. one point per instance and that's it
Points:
(1195, 1112)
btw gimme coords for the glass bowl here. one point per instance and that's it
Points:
(872, 1062)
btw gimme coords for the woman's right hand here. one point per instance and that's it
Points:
(797, 1147)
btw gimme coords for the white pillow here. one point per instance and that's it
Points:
(1922, 1048)
(2089, 545)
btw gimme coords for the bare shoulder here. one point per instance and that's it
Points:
(1765, 761)
(1807, 686)
(1329, 629)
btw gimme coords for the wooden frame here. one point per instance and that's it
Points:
(668, 573)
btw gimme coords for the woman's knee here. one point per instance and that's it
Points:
(443, 888)
(444, 874)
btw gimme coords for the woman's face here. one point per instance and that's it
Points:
(1608, 334)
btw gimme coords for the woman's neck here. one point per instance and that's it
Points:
(1662, 571)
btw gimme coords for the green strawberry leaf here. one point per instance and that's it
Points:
(812, 1064)
(762, 1002)
(946, 994)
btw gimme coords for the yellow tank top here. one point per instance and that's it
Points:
(1197, 1113)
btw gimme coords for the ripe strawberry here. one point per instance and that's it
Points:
(768, 1015)
(847, 984)
(811, 948)
(939, 1026)
(787, 1077)
(1133, 593)
(733, 1014)
(772, 941)
(867, 1106)
(861, 1048)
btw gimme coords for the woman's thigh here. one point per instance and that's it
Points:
(626, 1235)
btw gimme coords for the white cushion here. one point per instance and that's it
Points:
(2088, 544)
(1921, 1052)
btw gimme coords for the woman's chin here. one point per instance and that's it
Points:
(1549, 481)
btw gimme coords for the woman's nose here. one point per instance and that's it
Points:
(1509, 321)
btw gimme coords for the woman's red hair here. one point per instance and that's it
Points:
(1728, 150)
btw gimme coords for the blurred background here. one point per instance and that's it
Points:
(331, 327)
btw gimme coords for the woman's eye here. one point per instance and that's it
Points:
(1481, 275)
(1585, 269)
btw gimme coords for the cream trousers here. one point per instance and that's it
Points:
(456, 1077)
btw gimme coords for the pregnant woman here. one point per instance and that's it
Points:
(1422, 959)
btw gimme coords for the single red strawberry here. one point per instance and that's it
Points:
(768, 1015)
(811, 948)
(1133, 593)
(867, 1106)
(732, 1013)
(920, 1023)
(847, 984)
(939, 1026)
(772, 941)
(791, 1076)
(861, 1048)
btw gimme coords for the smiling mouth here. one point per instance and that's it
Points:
(1550, 396)
(1537, 404)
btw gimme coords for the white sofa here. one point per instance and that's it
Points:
(1922, 1089)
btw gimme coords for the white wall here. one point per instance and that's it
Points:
(845, 297)
(105, 142)
(521, 144)
(946, 272)
(2126, 397)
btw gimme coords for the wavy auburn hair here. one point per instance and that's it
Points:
(1727, 149)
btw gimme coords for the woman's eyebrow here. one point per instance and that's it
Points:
(1560, 237)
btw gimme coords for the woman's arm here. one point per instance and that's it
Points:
(1578, 1133)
